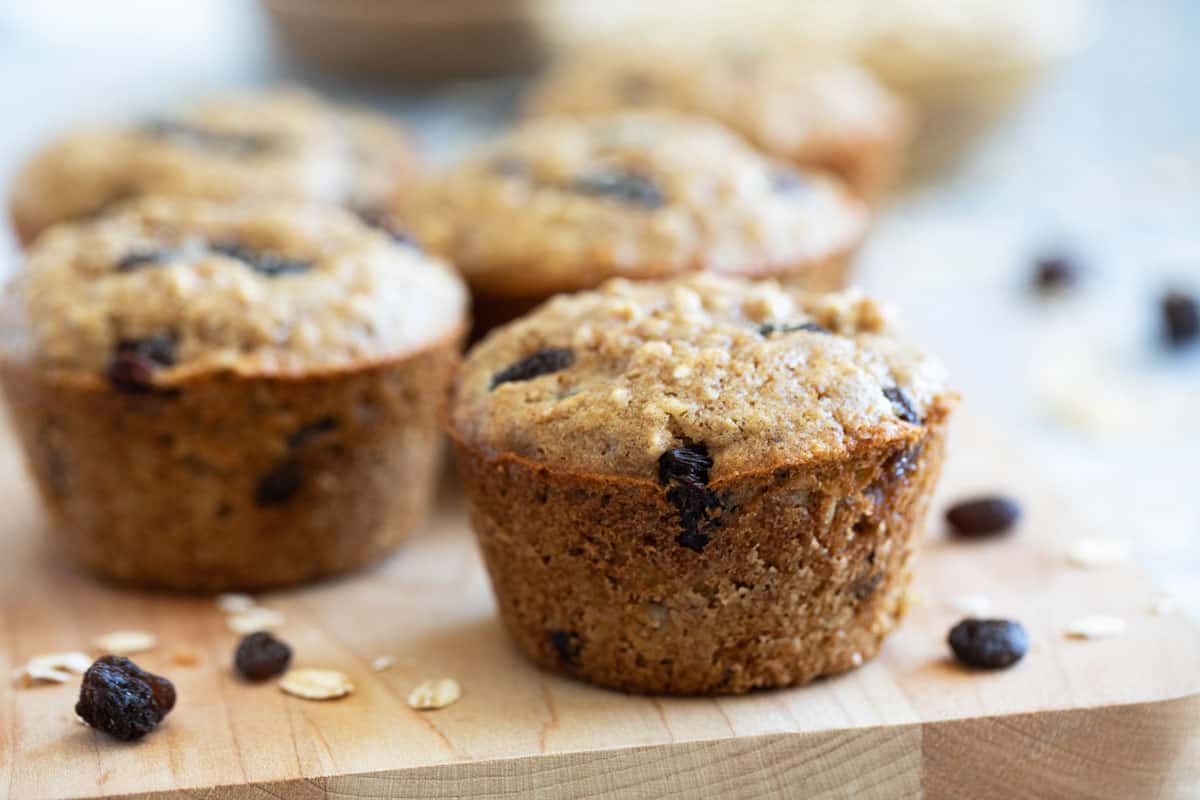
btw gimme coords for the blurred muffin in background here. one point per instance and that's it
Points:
(962, 63)
(815, 112)
(564, 203)
(286, 145)
(414, 40)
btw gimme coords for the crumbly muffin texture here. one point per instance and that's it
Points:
(187, 287)
(562, 204)
(605, 382)
(288, 144)
(807, 109)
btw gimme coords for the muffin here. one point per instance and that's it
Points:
(563, 204)
(285, 145)
(811, 111)
(700, 486)
(216, 397)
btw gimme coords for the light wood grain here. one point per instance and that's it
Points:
(1105, 719)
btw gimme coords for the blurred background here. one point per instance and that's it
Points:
(1066, 130)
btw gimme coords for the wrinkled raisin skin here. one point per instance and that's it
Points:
(123, 700)
(280, 484)
(260, 656)
(902, 404)
(988, 643)
(626, 188)
(544, 362)
(685, 472)
(568, 645)
(983, 516)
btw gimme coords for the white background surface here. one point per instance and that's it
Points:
(1102, 160)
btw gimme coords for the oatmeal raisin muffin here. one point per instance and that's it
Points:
(701, 486)
(815, 112)
(214, 397)
(563, 204)
(288, 145)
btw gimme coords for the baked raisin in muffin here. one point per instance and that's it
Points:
(288, 145)
(214, 397)
(815, 112)
(563, 204)
(701, 486)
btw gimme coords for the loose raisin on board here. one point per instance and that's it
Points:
(769, 328)
(280, 484)
(989, 643)
(685, 472)
(627, 188)
(134, 363)
(544, 362)
(983, 516)
(568, 645)
(377, 218)
(902, 405)
(1054, 272)
(260, 656)
(123, 700)
(270, 264)
(1181, 319)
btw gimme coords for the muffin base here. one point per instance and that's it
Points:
(804, 575)
(491, 310)
(234, 482)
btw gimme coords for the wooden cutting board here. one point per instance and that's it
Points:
(1118, 718)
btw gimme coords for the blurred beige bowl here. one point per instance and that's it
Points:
(411, 40)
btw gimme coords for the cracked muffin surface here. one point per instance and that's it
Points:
(285, 144)
(270, 289)
(562, 204)
(605, 382)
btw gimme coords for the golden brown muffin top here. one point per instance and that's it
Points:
(287, 144)
(563, 204)
(788, 102)
(606, 381)
(182, 287)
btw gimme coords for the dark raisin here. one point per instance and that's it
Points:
(1054, 273)
(142, 258)
(769, 328)
(377, 218)
(121, 699)
(788, 181)
(133, 365)
(260, 656)
(989, 643)
(544, 362)
(1181, 319)
(685, 472)
(867, 585)
(234, 144)
(902, 405)
(280, 484)
(270, 264)
(568, 645)
(311, 430)
(983, 516)
(627, 188)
